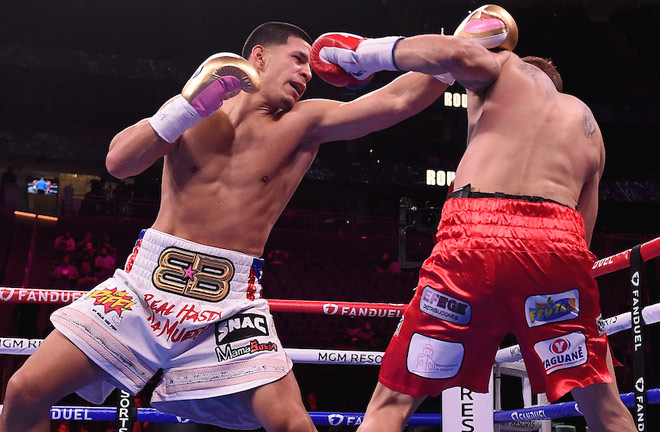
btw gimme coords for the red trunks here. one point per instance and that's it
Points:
(501, 266)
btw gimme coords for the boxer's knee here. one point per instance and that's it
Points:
(294, 419)
(25, 394)
(25, 406)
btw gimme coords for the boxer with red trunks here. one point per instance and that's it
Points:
(512, 252)
(236, 143)
(501, 265)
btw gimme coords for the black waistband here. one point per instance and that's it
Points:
(467, 192)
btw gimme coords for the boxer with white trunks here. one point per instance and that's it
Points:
(218, 340)
(512, 252)
(236, 143)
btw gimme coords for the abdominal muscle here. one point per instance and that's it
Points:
(224, 206)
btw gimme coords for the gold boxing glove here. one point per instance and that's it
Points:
(492, 26)
(220, 77)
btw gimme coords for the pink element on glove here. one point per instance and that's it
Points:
(210, 99)
(483, 25)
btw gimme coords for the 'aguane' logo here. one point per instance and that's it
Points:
(563, 352)
(559, 346)
(193, 275)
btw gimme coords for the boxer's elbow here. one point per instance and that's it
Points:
(119, 164)
(135, 149)
(115, 166)
(472, 62)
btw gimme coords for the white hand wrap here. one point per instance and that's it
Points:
(370, 56)
(174, 118)
(378, 54)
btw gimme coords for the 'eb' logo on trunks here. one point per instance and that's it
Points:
(194, 275)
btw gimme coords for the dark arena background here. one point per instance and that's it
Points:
(74, 73)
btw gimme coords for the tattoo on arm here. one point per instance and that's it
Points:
(588, 122)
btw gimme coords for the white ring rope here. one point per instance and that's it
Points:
(615, 324)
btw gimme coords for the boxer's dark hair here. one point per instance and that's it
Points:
(547, 66)
(273, 33)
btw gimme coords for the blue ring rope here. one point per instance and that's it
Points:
(548, 412)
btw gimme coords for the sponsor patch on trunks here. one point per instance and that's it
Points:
(545, 309)
(192, 274)
(112, 300)
(434, 358)
(229, 352)
(239, 327)
(563, 352)
(444, 307)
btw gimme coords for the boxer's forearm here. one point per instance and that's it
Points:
(135, 149)
(436, 54)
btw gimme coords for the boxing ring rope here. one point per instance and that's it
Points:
(615, 324)
(650, 315)
(322, 418)
(648, 250)
(59, 297)
(619, 261)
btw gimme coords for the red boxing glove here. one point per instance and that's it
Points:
(331, 72)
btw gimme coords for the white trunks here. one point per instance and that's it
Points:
(196, 312)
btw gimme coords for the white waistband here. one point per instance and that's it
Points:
(157, 253)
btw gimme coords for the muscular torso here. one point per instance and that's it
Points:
(526, 138)
(229, 178)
